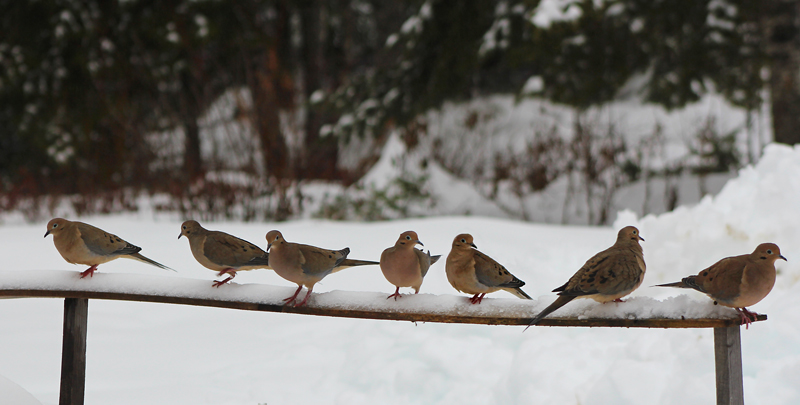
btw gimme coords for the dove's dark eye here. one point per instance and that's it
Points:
(408, 237)
(769, 251)
(463, 241)
(55, 225)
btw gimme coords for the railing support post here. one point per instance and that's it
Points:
(73, 351)
(728, 361)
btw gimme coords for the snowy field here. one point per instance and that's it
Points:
(171, 354)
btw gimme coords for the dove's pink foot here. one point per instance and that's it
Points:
(746, 317)
(477, 298)
(89, 272)
(395, 295)
(303, 302)
(230, 271)
(294, 296)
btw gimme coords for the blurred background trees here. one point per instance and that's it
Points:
(104, 99)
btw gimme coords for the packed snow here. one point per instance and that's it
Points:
(158, 353)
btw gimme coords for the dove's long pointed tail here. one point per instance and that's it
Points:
(558, 303)
(139, 257)
(347, 263)
(678, 284)
(519, 293)
(354, 262)
(260, 261)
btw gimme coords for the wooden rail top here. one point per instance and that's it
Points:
(353, 304)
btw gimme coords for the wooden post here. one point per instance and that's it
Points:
(73, 351)
(728, 360)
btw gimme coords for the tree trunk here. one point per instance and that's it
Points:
(271, 88)
(320, 153)
(265, 98)
(783, 45)
(192, 161)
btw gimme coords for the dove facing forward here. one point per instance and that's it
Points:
(305, 265)
(607, 276)
(81, 243)
(472, 272)
(405, 266)
(739, 281)
(221, 252)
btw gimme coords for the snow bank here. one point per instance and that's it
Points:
(12, 393)
(758, 206)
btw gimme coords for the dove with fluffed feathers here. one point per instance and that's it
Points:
(405, 266)
(739, 281)
(607, 276)
(306, 265)
(472, 272)
(221, 252)
(81, 243)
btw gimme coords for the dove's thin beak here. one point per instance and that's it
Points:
(180, 234)
(269, 245)
(641, 238)
(419, 243)
(473, 245)
(781, 256)
(48, 233)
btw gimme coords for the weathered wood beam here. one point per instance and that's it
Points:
(73, 351)
(728, 362)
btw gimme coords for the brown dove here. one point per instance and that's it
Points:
(221, 252)
(472, 272)
(305, 265)
(405, 266)
(81, 243)
(739, 281)
(607, 276)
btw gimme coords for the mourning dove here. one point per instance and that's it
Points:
(739, 281)
(472, 272)
(81, 243)
(405, 266)
(607, 276)
(305, 265)
(222, 252)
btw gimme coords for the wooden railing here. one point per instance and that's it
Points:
(727, 342)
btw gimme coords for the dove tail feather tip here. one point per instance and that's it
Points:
(558, 303)
(677, 284)
(144, 259)
(519, 293)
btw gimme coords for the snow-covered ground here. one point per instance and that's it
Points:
(172, 354)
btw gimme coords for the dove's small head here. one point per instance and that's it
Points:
(190, 227)
(629, 233)
(463, 241)
(408, 238)
(273, 237)
(768, 251)
(56, 225)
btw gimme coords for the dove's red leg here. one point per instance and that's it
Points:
(395, 295)
(293, 297)
(746, 317)
(89, 272)
(303, 302)
(230, 271)
(477, 298)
